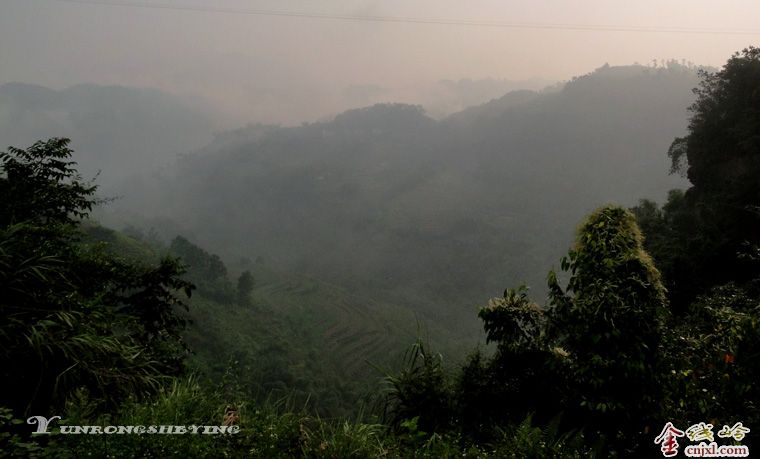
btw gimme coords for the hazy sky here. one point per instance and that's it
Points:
(287, 69)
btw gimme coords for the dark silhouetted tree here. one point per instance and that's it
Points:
(609, 322)
(75, 317)
(245, 284)
(720, 155)
(206, 270)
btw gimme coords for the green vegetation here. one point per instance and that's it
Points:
(75, 316)
(653, 317)
(706, 242)
(614, 353)
(428, 215)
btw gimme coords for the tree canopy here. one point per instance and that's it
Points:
(76, 317)
(719, 219)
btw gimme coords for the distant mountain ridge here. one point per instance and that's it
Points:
(117, 130)
(434, 215)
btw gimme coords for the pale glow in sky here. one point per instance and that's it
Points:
(286, 69)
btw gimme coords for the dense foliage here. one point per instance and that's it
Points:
(205, 270)
(706, 242)
(575, 358)
(94, 327)
(427, 214)
(718, 218)
(609, 321)
(615, 353)
(75, 317)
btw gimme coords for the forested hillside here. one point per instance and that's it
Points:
(430, 215)
(322, 290)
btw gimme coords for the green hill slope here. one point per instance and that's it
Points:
(310, 341)
(434, 216)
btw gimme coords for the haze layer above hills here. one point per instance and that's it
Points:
(436, 216)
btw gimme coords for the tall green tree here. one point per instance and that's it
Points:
(205, 270)
(706, 242)
(521, 378)
(594, 354)
(41, 185)
(720, 155)
(608, 320)
(245, 284)
(75, 317)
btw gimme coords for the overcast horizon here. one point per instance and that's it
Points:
(250, 66)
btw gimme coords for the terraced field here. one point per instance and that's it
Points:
(312, 342)
(300, 338)
(355, 333)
